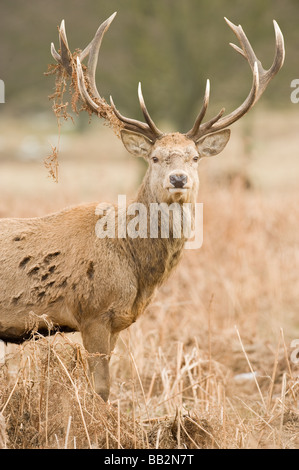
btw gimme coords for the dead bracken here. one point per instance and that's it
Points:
(66, 83)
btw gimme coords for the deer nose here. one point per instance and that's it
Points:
(178, 181)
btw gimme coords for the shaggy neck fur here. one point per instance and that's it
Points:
(155, 258)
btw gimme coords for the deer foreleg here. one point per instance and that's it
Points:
(97, 340)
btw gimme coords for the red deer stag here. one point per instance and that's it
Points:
(56, 271)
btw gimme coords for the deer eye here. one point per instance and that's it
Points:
(155, 159)
(195, 159)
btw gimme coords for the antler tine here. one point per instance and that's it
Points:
(279, 53)
(149, 129)
(261, 79)
(97, 37)
(207, 126)
(64, 58)
(93, 51)
(246, 49)
(82, 88)
(192, 133)
(64, 49)
(226, 121)
(248, 53)
(54, 53)
(133, 124)
(146, 114)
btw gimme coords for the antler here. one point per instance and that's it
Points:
(150, 130)
(73, 66)
(261, 79)
(87, 84)
(91, 97)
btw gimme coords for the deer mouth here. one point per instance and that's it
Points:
(177, 190)
(178, 194)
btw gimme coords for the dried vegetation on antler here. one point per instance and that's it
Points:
(74, 78)
(81, 79)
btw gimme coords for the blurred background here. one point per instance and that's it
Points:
(246, 273)
(172, 47)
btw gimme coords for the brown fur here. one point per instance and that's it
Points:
(55, 271)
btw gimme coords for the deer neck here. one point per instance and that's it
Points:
(156, 256)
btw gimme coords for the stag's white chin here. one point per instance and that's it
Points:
(177, 190)
(178, 194)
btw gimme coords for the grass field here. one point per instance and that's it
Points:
(211, 364)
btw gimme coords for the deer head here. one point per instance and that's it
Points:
(172, 157)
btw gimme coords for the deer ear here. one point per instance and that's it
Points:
(136, 144)
(213, 144)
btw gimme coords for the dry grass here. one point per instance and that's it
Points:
(50, 403)
(208, 365)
